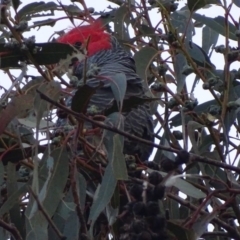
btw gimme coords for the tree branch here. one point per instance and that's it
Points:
(41, 209)
(13, 230)
(81, 116)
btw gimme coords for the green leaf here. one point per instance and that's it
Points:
(32, 9)
(143, 59)
(184, 212)
(118, 2)
(180, 20)
(73, 10)
(217, 24)
(112, 214)
(18, 154)
(4, 235)
(106, 16)
(50, 195)
(27, 135)
(28, 9)
(236, 2)
(194, 5)
(215, 173)
(59, 175)
(12, 187)
(173, 209)
(206, 142)
(52, 90)
(191, 127)
(16, 4)
(31, 86)
(82, 187)
(46, 7)
(20, 105)
(179, 63)
(30, 122)
(65, 208)
(13, 198)
(184, 186)
(119, 28)
(198, 55)
(117, 158)
(189, 189)
(145, 30)
(209, 38)
(119, 87)
(59, 223)
(47, 22)
(178, 230)
(177, 120)
(114, 146)
(199, 227)
(231, 114)
(103, 195)
(1, 173)
(66, 218)
(72, 225)
(165, 142)
(161, 154)
(38, 227)
(82, 97)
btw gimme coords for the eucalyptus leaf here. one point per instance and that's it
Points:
(119, 86)
(106, 189)
(217, 24)
(184, 187)
(209, 38)
(195, 5)
(120, 15)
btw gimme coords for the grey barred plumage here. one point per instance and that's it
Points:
(138, 121)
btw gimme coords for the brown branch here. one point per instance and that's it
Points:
(42, 210)
(197, 158)
(204, 203)
(215, 234)
(13, 230)
(233, 233)
(81, 116)
(83, 226)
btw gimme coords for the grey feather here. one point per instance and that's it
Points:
(139, 121)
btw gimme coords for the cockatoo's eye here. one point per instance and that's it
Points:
(73, 61)
(77, 45)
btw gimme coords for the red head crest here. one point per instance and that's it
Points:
(99, 40)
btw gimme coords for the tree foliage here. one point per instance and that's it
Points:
(98, 193)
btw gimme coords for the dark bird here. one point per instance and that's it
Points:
(109, 58)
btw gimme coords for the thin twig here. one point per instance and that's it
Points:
(83, 226)
(233, 233)
(197, 158)
(13, 230)
(81, 116)
(42, 210)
